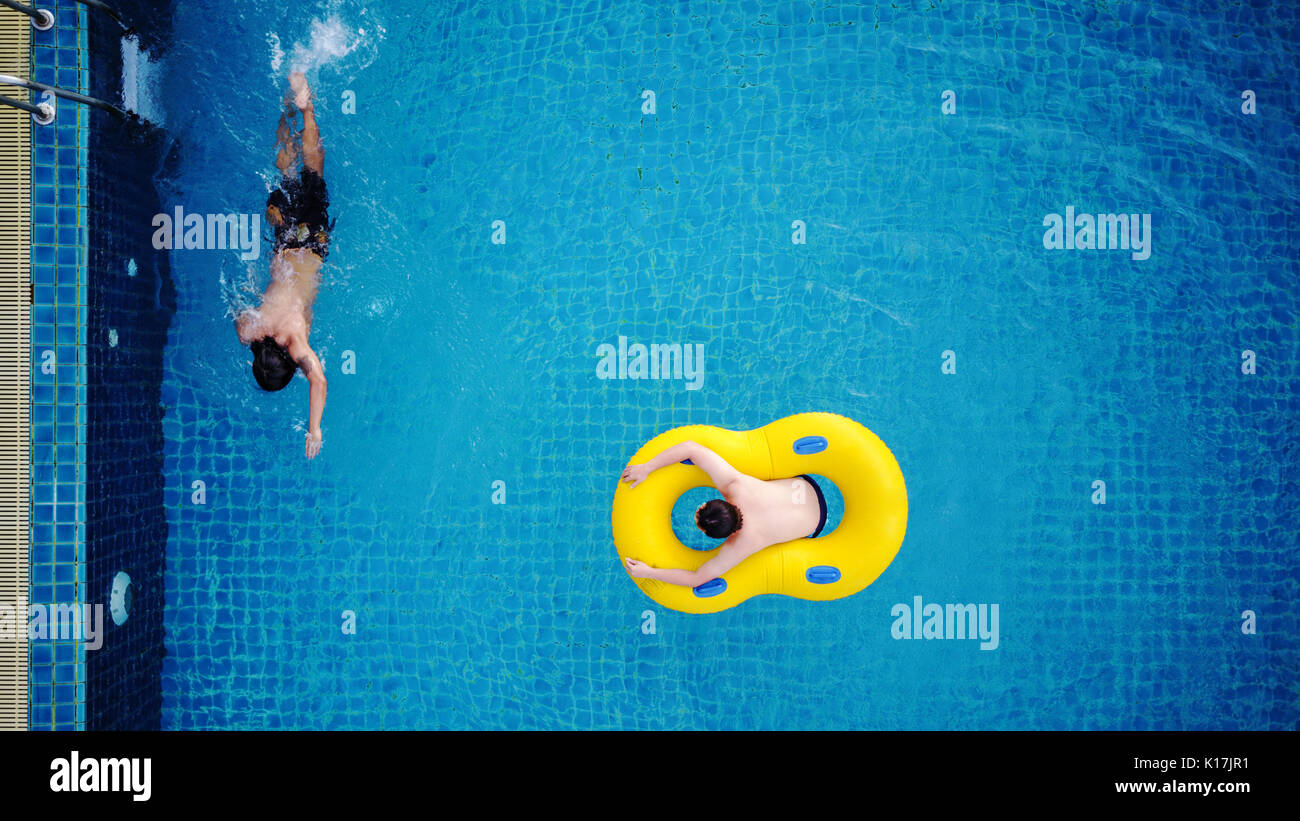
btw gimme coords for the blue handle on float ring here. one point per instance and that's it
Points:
(823, 574)
(810, 444)
(711, 588)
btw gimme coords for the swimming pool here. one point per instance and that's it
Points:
(476, 362)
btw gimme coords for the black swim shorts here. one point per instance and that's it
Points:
(304, 207)
(821, 502)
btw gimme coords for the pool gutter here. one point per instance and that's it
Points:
(15, 333)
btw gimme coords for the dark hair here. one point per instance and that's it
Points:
(272, 366)
(718, 519)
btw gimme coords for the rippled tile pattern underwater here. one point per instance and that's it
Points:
(475, 361)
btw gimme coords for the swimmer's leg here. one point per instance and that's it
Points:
(313, 154)
(288, 149)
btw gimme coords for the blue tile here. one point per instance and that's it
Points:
(46, 136)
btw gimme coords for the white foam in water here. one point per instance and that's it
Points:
(277, 53)
(139, 74)
(330, 41)
(241, 290)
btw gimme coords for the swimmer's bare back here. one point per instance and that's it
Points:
(773, 511)
(285, 313)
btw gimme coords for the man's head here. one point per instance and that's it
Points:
(272, 365)
(718, 519)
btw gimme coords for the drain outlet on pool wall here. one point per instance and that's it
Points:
(119, 599)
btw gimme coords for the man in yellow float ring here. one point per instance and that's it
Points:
(754, 515)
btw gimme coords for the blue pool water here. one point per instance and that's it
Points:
(476, 362)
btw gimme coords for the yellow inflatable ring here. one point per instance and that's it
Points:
(831, 566)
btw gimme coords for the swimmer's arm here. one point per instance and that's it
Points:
(722, 473)
(728, 557)
(315, 373)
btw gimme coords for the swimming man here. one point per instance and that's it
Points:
(752, 515)
(298, 212)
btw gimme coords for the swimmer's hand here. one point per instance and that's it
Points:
(635, 474)
(314, 440)
(639, 570)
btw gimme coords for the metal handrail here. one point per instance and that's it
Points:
(32, 85)
(96, 4)
(42, 113)
(42, 20)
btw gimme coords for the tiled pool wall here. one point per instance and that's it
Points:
(57, 666)
(131, 304)
(102, 300)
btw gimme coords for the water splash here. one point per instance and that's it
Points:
(330, 42)
(240, 289)
(277, 52)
